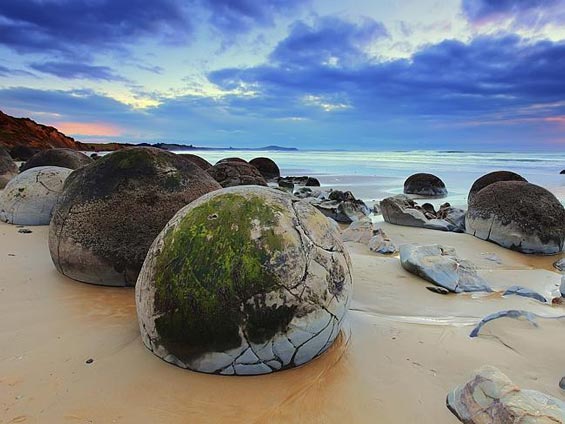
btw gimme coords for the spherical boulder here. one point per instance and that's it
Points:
(490, 178)
(111, 211)
(22, 153)
(234, 159)
(230, 174)
(197, 160)
(519, 216)
(425, 185)
(267, 167)
(245, 280)
(29, 198)
(8, 168)
(65, 158)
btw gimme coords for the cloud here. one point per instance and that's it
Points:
(530, 13)
(72, 70)
(11, 72)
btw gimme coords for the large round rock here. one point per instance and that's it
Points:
(519, 216)
(245, 280)
(8, 168)
(425, 185)
(112, 210)
(490, 178)
(267, 167)
(197, 160)
(29, 198)
(65, 158)
(235, 173)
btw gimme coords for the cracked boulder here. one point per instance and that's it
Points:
(267, 167)
(441, 266)
(401, 210)
(65, 158)
(243, 281)
(111, 211)
(29, 198)
(427, 185)
(341, 206)
(519, 216)
(491, 178)
(490, 397)
(8, 168)
(231, 173)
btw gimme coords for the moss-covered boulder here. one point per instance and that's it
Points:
(267, 167)
(234, 173)
(111, 211)
(8, 168)
(65, 158)
(245, 280)
(519, 216)
(197, 160)
(427, 185)
(29, 198)
(491, 178)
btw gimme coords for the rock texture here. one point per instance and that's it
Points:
(267, 167)
(401, 210)
(341, 206)
(519, 216)
(111, 211)
(65, 158)
(425, 185)
(359, 231)
(441, 266)
(245, 280)
(490, 397)
(559, 265)
(381, 243)
(491, 178)
(236, 173)
(8, 168)
(28, 199)
(197, 160)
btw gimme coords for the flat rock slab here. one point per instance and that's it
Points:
(441, 266)
(490, 397)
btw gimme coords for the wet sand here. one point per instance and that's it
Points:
(404, 347)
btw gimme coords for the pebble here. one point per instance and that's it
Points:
(438, 290)
(89, 361)
(24, 231)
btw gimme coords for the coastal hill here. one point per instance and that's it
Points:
(26, 133)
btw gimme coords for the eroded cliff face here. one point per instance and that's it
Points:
(15, 132)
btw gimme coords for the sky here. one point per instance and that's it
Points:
(311, 74)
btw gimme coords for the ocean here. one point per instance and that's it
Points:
(373, 175)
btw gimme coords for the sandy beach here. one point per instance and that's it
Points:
(401, 351)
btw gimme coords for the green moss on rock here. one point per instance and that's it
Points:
(209, 267)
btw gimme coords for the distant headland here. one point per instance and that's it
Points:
(18, 133)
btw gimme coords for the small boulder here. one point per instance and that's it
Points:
(427, 185)
(197, 160)
(346, 208)
(441, 266)
(29, 198)
(490, 178)
(236, 173)
(65, 158)
(559, 265)
(276, 278)
(490, 397)
(519, 216)
(267, 167)
(111, 211)
(8, 168)
(380, 243)
(562, 172)
(359, 231)
(301, 181)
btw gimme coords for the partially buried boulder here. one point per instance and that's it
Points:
(491, 178)
(267, 167)
(65, 158)
(231, 174)
(490, 397)
(427, 185)
(197, 160)
(28, 198)
(111, 211)
(519, 216)
(441, 266)
(245, 280)
(8, 168)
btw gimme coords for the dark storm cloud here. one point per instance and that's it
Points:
(72, 70)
